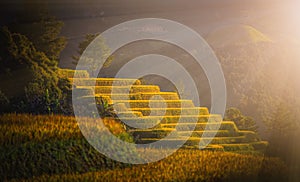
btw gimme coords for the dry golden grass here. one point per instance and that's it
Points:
(189, 165)
(53, 149)
(23, 128)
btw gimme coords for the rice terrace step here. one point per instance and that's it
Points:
(141, 95)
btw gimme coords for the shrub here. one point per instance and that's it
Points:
(43, 91)
(241, 121)
(4, 102)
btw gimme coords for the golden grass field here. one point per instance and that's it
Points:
(51, 148)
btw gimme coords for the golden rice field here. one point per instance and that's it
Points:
(188, 165)
(51, 148)
(18, 129)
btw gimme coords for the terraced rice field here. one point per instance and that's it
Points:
(52, 148)
(151, 115)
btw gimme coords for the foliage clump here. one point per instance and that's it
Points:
(39, 88)
(242, 122)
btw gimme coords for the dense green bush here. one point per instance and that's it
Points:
(40, 89)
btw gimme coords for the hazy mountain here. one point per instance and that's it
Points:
(236, 35)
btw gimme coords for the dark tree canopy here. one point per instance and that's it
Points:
(31, 81)
(41, 28)
(29, 54)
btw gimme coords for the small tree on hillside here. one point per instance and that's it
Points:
(241, 121)
(89, 61)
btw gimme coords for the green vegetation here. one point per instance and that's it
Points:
(105, 109)
(30, 48)
(42, 29)
(30, 81)
(99, 45)
(241, 121)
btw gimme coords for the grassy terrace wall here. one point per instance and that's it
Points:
(70, 73)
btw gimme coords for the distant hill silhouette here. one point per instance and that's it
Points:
(236, 34)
